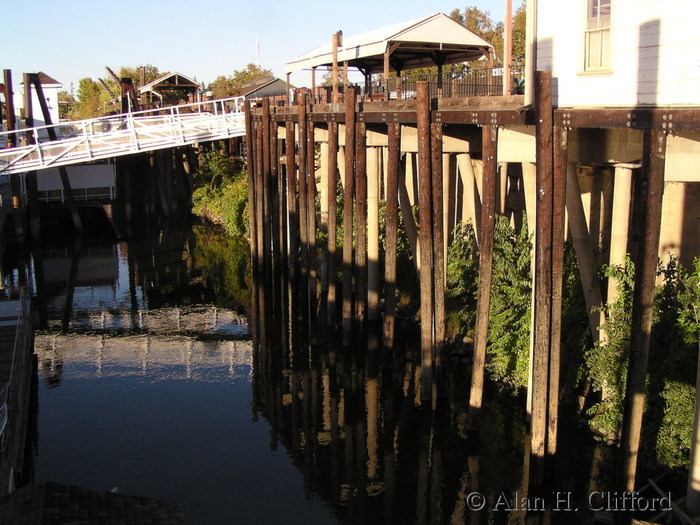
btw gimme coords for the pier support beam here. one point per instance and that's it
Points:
(652, 190)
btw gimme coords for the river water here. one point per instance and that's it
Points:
(145, 371)
(155, 380)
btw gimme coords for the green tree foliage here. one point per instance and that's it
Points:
(481, 23)
(94, 97)
(151, 73)
(90, 100)
(222, 193)
(225, 86)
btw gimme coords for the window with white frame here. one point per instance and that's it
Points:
(597, 43)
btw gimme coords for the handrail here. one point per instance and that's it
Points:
(236, 103)
(125, 133)
(22, 335)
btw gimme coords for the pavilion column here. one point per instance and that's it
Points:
(391, 47)
(313, 84)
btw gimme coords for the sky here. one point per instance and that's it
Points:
(202, 39)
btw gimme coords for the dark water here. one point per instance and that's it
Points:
(150, 382)
(145, 373)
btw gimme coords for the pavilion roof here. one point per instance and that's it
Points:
(418, 43)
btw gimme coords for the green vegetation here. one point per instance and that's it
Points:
(99, 97)
(674, 346)
(230, 86)
(221, 193)
(225, 264)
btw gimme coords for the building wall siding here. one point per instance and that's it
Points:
(655, 54)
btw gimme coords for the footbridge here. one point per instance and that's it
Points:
(122, 134)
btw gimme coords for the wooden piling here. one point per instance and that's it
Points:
(10, 108)
(292, 207)
(259, 207)
(348, 212)
(360, 224)
(268, 248)
(438, 240)
(542, 291)
(558, 238)
(311, 210)
(251, 186)
(489, 136)
(425, 232)
(651, 197)
(392, 204)
(332, 219)
(303, 201)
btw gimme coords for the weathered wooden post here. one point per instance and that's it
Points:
(303, 204)
(311, 213)
(373, 190)
(651, 197)
(425, 230)
(489, 136)
(292, 208)
(438, 240)
(332, 219)
(251, 185)
(542, 336)
(558, 238)
(347, 212)
(392, 204)
(360, 224)
(268, 207)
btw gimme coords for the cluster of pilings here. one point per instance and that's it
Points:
(284, 219)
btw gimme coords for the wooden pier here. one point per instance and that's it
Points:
(402, 152)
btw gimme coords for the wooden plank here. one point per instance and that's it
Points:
(483, 297)
(664, 119)
(651, 195)
(392, 201)
(425, 233)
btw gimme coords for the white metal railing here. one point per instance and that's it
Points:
(122, 134)
(22, 335)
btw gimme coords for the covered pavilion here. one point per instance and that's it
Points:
(434, 40)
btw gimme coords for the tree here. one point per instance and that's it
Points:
(91, 96)
(231, 86)
(519, 35)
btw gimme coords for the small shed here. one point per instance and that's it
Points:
(171, 88)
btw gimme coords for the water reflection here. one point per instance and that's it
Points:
(356, 427)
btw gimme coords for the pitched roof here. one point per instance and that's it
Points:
(417, 43)
(171, 80)
(46, 80)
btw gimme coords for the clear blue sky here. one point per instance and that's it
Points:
(73, 39)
